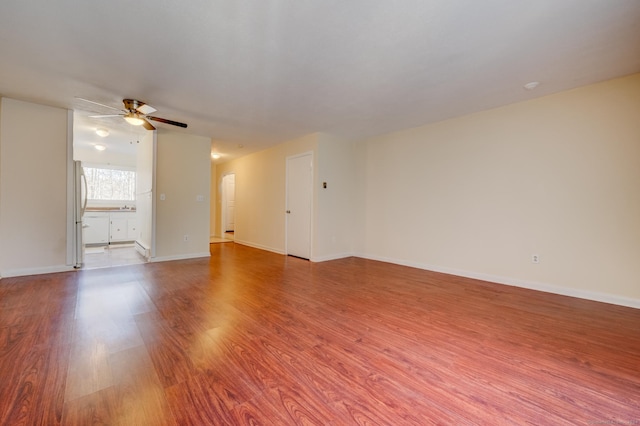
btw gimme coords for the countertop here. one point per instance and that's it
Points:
(108, 210)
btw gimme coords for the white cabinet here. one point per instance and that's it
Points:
(132, 229)
(118, 228)
(109, 227)
(123, 227)
(95, 228)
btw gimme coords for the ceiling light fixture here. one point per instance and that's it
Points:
(532, 85)
(100, 147)
(102, 132)
(215, 155)
(134, 119)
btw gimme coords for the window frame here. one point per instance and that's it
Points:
(111, 168)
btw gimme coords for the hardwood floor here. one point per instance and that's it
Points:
(252, 337)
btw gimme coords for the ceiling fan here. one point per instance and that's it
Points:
(136, 113)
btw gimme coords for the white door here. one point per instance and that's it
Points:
(229, 183)
(298, 209)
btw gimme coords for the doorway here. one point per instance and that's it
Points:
(298, 210)
(228, 213)
(112, 206)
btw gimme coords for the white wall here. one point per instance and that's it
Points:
(106, 157)
(33, 188)
(557, 176)
(183, 172)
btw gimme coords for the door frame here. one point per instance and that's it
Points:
(223, 202)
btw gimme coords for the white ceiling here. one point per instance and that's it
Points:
(258, 72)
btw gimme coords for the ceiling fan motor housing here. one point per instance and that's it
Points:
(132, 104)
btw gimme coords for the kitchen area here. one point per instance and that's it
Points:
(109, 237)
(106, 153)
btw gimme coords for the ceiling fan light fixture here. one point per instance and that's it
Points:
(103, 133)
(134, 119)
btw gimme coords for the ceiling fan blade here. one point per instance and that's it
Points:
(146, 109)
(164, 120)
(97, 103)
(106, 116)
(139, 106)
(148, 125)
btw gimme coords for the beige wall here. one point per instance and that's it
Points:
(33, 188)
(183, 172)
(558, 176)
(260, 193)
(335, 206)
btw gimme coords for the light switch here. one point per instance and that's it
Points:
(199, 198)
(163, 197)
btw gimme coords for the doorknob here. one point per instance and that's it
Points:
(288, 211)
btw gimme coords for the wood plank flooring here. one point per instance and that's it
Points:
(251, 337)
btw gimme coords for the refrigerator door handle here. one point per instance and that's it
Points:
(86, 193)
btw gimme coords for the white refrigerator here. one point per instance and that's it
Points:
(80, 204)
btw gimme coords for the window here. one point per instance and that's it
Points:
(110, 184)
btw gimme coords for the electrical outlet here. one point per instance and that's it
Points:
(186, 238)
(535, 258)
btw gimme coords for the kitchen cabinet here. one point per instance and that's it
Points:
(95, 227)
(109, 227)
(132, 229)
(123, 227)
(118, 229)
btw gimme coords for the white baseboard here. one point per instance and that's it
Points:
(180, 257)
(515, 282)
(330, 257)
(258, 246)
(36, 271)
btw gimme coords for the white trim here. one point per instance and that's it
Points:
(180, 257)
(154, 193)
(71, 190)
(259, 246)
(515, 282)
(37, 271)
(330, 257)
